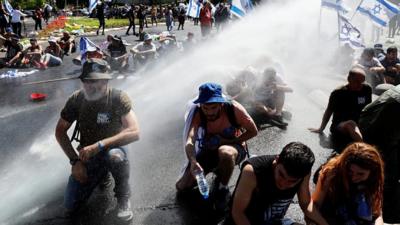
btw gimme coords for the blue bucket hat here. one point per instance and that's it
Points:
(210, 93)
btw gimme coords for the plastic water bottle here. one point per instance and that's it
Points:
(202, 184)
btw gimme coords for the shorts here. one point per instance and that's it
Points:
(208, 159)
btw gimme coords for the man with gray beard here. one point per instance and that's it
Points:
(106, 122)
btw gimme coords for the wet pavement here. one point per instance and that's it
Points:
(155, 160)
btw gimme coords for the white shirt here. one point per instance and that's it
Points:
(16, 16)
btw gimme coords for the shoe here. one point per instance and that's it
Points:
(278, 122)
(222, 197)
(127, 34)
(124, 210)
(279, 119)
(97, 33)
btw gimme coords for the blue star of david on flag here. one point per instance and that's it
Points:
(349, 34)
(378, 11)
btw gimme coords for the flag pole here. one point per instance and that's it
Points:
(355, 12)
(338, 23)
(319, 22)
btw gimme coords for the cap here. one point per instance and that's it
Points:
(52, 39)
(147, 37)
(8, 29)
(95, 69)
(210, 93)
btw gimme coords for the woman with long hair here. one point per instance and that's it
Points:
(350, 187)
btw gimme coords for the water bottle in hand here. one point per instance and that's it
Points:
(202, 184)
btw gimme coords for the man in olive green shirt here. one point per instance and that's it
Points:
(106, 123)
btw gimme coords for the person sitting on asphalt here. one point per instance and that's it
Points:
(118, 56)
(241, 88)
(190, 42)
(345, 104)
(392, 66)
(379, 53)
(52, 54)
(106, 122)
(225, 126)
(33, 54)
(14, 53)
(67, 43)
(269, 99)
(267, 185)
(144, 51)
(7, 36)
(350, 187)
(91, 53)
(372, 67)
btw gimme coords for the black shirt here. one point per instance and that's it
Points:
(347, 105)
(100, 10)
(116, 51)
(12, 50)
(267, 203)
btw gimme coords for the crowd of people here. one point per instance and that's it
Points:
(354, 187)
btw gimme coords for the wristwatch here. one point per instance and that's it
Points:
(73, 161)
(101, 146)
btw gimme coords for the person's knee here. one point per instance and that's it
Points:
(349, 126)
(116, 155)
(227, 153)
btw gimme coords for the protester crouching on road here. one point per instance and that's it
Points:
(106, 122)
(225, 126)
(33, 54)
(392, 66)
(14, 53)
(267, 185)
(52, 54)
(67, 43)
(372, 67)
(144, 51)
(345, 104)
(117, 54)
(350, 187)
(190, 41)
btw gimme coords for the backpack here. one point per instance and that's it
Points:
(230, 111)
(115, 95)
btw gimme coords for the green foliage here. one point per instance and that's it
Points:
(92, 23)
(27, 4)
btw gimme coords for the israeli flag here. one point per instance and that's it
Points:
(239, 8)
(92, 5)
(335, 5)
(379, 11)
(349, 33)
(85, 44)
(8, 7)
(193, 9)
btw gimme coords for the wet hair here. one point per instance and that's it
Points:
(368, 52)
(297, 159)
(337, 169)
(391, 49)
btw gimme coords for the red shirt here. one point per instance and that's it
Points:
(205, 16)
